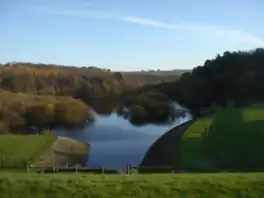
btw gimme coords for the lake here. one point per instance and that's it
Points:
(116, 142)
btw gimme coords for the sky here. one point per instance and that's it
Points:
(128, 34)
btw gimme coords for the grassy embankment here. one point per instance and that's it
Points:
(234, 141)
(19, 151)
(231, 139)
(162, 185)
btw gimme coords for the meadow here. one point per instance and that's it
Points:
(16, 151)
(230, 139)
(148, 186)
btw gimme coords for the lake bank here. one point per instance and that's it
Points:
(113, 140)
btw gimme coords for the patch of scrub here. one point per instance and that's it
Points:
(70, 146)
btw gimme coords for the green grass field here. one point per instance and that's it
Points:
(233, 141)
(146, 186)
(191, 144)
(17, 150)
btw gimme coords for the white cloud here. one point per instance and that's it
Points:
(238, 36)
(149, 22)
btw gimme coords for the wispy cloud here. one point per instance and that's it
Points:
(238, 36)
(150, 22)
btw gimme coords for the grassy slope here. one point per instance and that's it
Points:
(191, 144)
(163, 185)
(17, 150)
(234, 141)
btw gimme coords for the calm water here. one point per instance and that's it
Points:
(116, 142)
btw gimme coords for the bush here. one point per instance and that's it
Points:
(137, 112)
(71, 114)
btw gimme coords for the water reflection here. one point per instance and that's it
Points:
(115, 141)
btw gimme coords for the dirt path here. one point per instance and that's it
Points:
(165, 151)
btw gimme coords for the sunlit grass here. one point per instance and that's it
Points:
(253, 113)
(18, 150)
(191, 145)
(145, 186)
(234, 140)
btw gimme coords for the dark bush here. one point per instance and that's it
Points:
(150, 106)
(138, 112)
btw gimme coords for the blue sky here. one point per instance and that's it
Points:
(128, 34)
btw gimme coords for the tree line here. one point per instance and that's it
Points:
(236, 77)
(82, 83)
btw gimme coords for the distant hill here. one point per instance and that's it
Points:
(119, 80)
(154, 77)
(82, 83)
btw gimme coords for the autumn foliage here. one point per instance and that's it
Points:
(21, 112)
